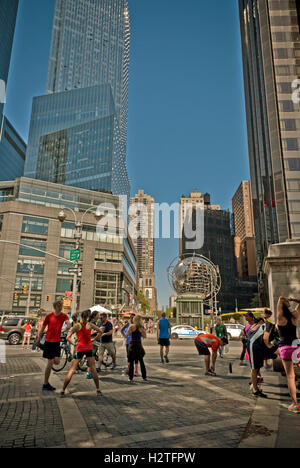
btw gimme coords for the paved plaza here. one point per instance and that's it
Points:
(179, 407)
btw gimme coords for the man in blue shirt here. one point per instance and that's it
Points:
(163, 337)
(106, 341)
(128, 339)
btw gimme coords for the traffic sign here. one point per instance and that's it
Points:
(75, 270)
(75, 255)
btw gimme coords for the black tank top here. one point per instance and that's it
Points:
(287, 333)
(136, 337)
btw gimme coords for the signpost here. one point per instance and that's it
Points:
(75, 255)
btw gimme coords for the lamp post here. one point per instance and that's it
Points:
(31, 270)
(78, 239)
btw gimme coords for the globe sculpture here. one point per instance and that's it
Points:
(195, 275)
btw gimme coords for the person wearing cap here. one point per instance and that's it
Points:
(205, 341)
(244, 336)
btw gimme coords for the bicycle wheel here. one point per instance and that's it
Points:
(63, 361)
(107, 359)
(83, 364)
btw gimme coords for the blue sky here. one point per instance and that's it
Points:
(186, 127)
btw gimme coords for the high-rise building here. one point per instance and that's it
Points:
(145, 246)
(12, 151)
(87, 99)
(271, 56)
(218, 242)
(8, 16)
(244, 240)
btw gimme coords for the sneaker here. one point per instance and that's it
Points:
(89, 376)
(126, 371)
(48, 388)
(260, 380)
(294, 408)
(162, 361)
(136, 373)
(167, 359)
(210, 373)
(260, 394)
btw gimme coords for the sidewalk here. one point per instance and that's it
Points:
(178, 408)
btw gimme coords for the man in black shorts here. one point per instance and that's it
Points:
(163, 337)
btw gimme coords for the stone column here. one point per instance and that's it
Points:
(282, 268)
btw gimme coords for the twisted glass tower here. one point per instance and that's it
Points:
(80, 128)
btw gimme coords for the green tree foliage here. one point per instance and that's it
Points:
(145, 304)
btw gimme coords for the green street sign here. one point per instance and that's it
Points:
(75, 255)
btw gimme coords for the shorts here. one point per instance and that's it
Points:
(110, 347)
(202, 348)
(256, 355)
(27, 335)
(164, 341)
(81, 354)
(286, 352)
(51, 350)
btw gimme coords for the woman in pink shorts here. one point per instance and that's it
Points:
(287, 328)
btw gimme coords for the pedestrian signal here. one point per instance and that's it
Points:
(25, 289)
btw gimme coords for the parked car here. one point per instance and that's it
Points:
(234, 330)
(11, 328)
(184, 331)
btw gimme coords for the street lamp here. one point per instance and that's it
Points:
(78, 238)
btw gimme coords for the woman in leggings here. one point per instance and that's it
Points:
(135, 349)
(287, 328)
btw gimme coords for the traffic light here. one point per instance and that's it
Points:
(15, 296)
(25, 289)
(48, 298)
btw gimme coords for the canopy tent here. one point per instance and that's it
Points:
(99, 308)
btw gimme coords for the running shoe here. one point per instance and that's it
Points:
(260, 380)
(260, 394)
(126, 371)
(210, 373)
(89, 376)
(136, 373)
(167, 359)
(294, 408)
(162, 361)
(48, 388)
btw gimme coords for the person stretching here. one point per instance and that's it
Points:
(205, 341)
(84, 347)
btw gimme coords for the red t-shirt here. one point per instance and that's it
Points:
(211, 341)
(84, 339)
(55, 324)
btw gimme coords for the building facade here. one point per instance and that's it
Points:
(145, 245)
(218, 243)
(12, 151)
(8, 16)
(86, 105)
(271, 57)
(29, 219)
(244, 238)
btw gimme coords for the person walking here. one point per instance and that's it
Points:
(51, 349)
(27, 334)
(127, 342)
(205, 341)
(163, 337)
(106, 341)
(221, 332)
(136, 352)
(287, 329)
(84, 348)
(249, 316)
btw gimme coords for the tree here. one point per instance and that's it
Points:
(145, 304)
(255, 301)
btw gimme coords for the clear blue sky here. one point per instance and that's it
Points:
(187, 126)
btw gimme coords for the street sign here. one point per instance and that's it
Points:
(75, 270)
(75, 255)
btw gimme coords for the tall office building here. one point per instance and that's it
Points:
(218, 242)
(145, 246)
(244, 240)
(271, 56)
(12, 151)
(8, 16)
(82, 122)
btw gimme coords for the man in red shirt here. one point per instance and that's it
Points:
(54, 323)
(205, 341)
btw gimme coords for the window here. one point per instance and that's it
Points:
(292, 164)
(10, 322)
(286, 106)
(288, 124)
(63, 285)
(284, 88)
(108, 256)
(294, 206)
(27, 251)
(290, 144)
(293, 185)
(283, 20)
(35, 225)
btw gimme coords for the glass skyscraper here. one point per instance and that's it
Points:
(271, 56)
(79, 129)
(12, 152)
(8, 15)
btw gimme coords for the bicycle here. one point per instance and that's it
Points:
(106, 361)
(66, 355)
